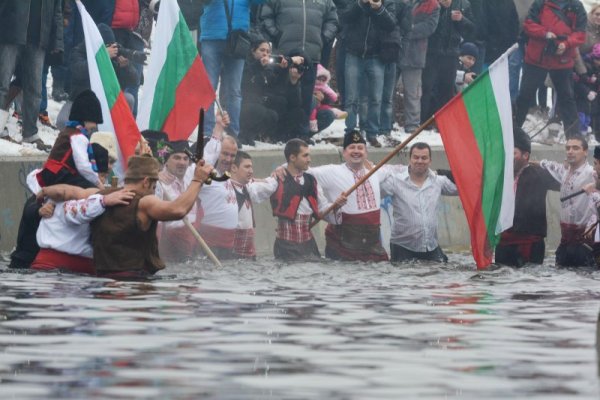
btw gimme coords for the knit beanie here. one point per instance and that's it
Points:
(86, 107)
(469, 49)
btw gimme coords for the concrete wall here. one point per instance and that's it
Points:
(453, 229)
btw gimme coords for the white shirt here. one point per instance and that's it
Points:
(335, 179)
(79, 145)
(262, 190)
(173, 190)
(415, 208)
(576, 210)
(68, 230)
(245, 220)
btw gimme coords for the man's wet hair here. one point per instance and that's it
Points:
(241, 155)
(581, 139)
(419, 146)
(292, 148)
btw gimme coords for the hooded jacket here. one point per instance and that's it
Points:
(567, 20)
(425, 16)
(449, 34)
(368, 26)
(14, 20)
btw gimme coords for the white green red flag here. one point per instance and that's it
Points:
(176, 85)
(476, 128)
(116, 113)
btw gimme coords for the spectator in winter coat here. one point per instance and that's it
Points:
(466, 61)
(29, 29)
(592, 36)
(587, 87)
(293, 24)
(220, 65)
(324, 97)
(502, 27)
(554, 29)
(442, 55)
(370, 21)
(425, 15)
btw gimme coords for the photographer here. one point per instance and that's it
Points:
(80, 78)
(554, 28)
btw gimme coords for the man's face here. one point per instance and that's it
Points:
(301, 161)
(355, 154)
(420, 160)
(244, 172)
(445, 3)
(227, 155)
(576, 155)
(177, 164)
(521, 159)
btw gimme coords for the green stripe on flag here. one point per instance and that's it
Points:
(108, 76)
(481, 106)
(181, 53)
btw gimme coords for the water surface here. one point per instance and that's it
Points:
(266, 330)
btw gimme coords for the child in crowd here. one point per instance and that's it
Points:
(324, 96)
(467, 59)
(586, 91)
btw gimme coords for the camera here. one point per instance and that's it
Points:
(552, 44)
(135, 56)
(300, 67)
(275, 59)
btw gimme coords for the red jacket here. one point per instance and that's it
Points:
(546, 16)
(126, 15)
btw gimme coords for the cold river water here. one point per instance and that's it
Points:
(265, 330)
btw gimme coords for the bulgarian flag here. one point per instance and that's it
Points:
(476, 128)
(177, 84)
(115, 111)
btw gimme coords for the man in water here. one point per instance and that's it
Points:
(524, 242)
(416, 191)
(576, 212)
(241, 175)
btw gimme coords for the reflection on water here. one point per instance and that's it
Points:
(324, 331)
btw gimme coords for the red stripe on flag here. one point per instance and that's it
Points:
(467, 166)
(193, 92)
(126, 130)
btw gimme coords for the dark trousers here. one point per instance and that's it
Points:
(510, 254)
(437, 83)
(291, 251)
(307, 85)
(256, 121)
(562, 79)
(27, 247)
(574, 255)
(400, 254)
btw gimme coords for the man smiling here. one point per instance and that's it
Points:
(416, 192)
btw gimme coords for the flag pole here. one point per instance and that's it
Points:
(196, 235)
(380, 164)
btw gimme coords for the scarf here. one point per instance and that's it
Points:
(90, 150)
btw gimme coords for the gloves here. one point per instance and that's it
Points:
(592, 95)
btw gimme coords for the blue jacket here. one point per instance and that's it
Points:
(213, 22)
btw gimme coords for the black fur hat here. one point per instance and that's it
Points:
(86, 107)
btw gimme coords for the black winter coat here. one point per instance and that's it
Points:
(300, 25)
(367, 27)
(448, 35)
(14, 20)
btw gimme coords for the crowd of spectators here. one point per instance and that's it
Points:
(281, 86)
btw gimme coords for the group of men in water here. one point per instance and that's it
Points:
(166, 200)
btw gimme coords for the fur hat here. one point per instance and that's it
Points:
(158, 142)
(522, 140)
(140, 167)
(86, 107)
(469, 49)
(106, 140)
(101, 157)
(179, 146)
(353, 138)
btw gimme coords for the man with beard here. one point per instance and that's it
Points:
(416, 191)
(524, 242)
(575, 213)
(177, 243)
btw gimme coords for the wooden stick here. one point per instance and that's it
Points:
(114, 181)
(195, 233)
(376, 167)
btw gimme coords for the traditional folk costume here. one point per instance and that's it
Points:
(414, 232)
(575, 213)
(295, 200)
(64, 237)
(524, 242)
(71, 159)
(355, 234)
(243, 242)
